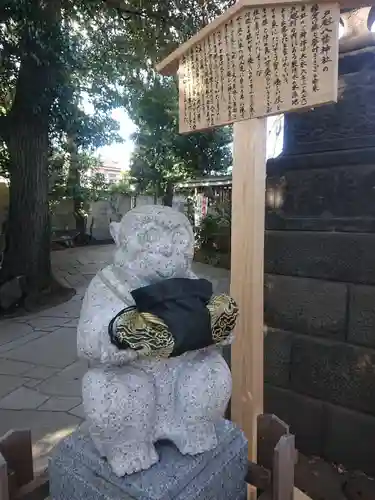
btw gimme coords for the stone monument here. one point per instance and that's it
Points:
(320, 234)
(158, 386)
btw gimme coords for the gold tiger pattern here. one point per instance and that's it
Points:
(224, 313)
(149, 335)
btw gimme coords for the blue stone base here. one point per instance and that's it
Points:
(77, 472)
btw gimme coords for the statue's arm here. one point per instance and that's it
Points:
(93, 340)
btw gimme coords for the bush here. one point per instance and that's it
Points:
(215, 230)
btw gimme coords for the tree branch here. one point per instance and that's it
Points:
(122, 9)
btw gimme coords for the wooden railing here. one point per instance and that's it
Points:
(273, 474)
(17, 480)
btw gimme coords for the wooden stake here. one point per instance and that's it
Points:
(247, 256)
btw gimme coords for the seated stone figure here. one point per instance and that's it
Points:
(150, 329)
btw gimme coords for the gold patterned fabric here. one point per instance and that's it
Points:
(150, 336)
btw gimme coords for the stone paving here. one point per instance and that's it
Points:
(40, 374)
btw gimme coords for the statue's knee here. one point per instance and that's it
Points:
(206, 386)
(125, 391)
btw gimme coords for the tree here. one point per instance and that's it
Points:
(51, 52)
(162, 156)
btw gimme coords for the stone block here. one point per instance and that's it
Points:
(361, 328)
(77, 471)
(277, 353)
(303, 414)
(305, 305)
(349, 439)
(343, 192)
(335, 372)
(346, 257)
(347, 124)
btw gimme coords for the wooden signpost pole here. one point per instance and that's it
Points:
(247, 248)
(259, 58)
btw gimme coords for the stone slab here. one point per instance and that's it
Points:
(277, 356)
(10, 331)
(304, 415)
(77, 471)
(41, 372)
(9, 367)
(347, 124)
(67, 382)
(57, 349)
(60, 403)
(349, 439)
(305, 305)
(330, 194)
(361, 329)
(22, 398)
(334, 372)
(78, 411)
(19, 342)
(324, 255)
(32, 382)
(9, 383)
(44, 324)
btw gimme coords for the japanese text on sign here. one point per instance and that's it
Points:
(262, 61)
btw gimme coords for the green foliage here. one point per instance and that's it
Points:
(215, 230)
(52, 54)
(102, 50)
(124, 186)
(162, 156)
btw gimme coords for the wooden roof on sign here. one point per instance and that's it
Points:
(169, 66)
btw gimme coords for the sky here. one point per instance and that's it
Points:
(120, 152)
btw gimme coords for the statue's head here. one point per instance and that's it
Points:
(153, 243)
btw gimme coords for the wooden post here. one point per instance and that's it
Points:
(247, 249)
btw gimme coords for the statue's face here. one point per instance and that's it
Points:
(154, 242)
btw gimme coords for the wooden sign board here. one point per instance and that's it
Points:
(261, 61)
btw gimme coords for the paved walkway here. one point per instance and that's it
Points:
(40, 375)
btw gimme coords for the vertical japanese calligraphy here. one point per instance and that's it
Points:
(259, 62)
(275, 27)
(241, 65)
(267, 60)
(248, 48)
(303, 56)
(314, 11)
(216, 82)
(293, 23)
(326, 37)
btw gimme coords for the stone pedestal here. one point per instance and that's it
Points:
(77, 472)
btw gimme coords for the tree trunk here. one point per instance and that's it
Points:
(28, 239)
(168, 195)
(28, 234)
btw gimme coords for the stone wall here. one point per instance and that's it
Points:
(320, 274)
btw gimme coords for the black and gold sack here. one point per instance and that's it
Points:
(173, 317)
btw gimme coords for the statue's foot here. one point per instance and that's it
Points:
(132, 457)
(194, 439)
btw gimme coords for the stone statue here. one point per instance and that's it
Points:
(131, 398)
